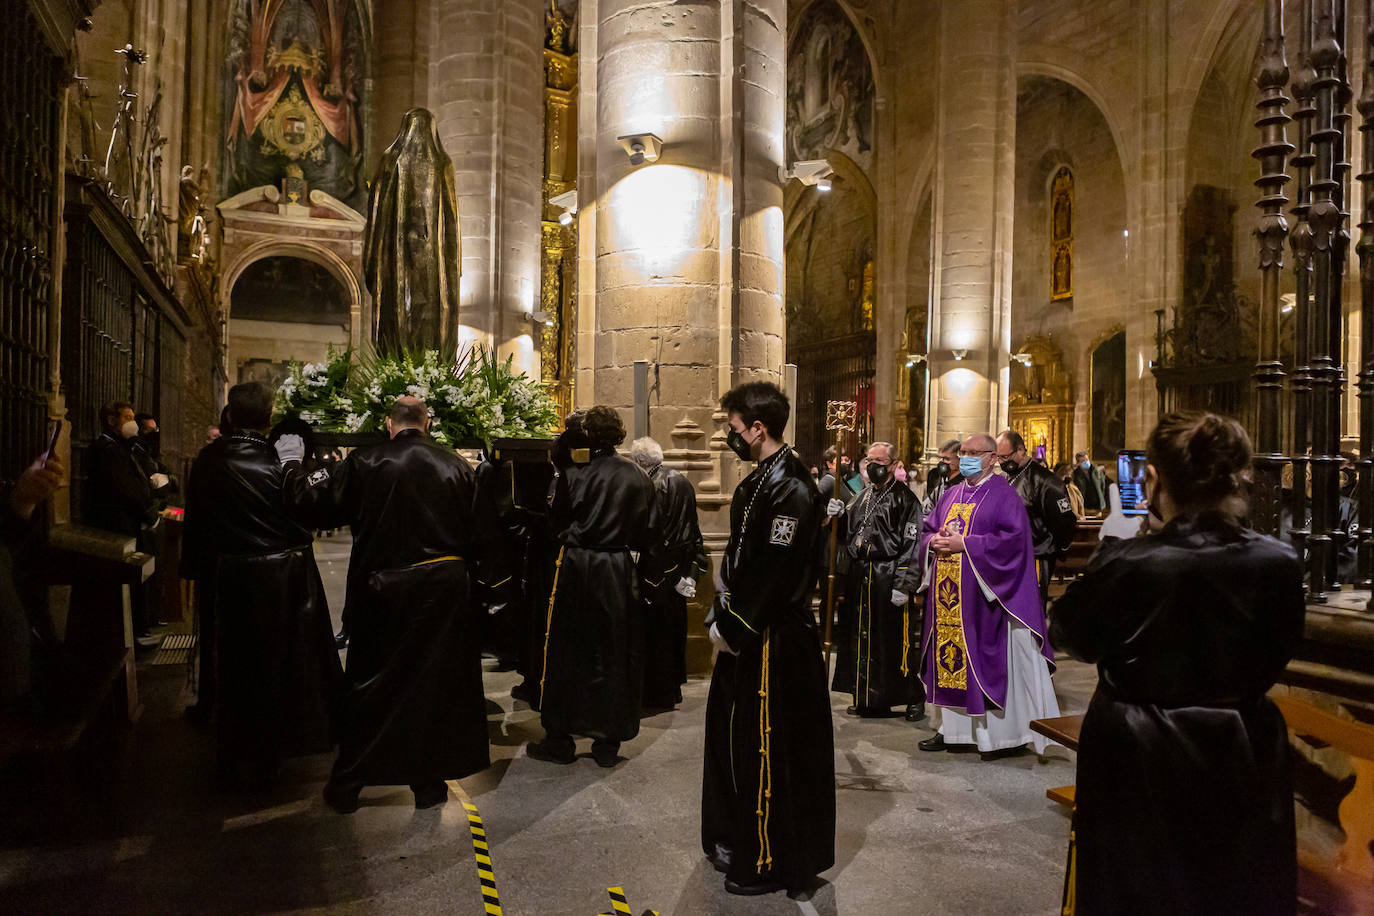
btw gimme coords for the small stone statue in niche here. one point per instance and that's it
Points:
(411, 246)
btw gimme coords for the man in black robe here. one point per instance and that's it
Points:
(1052, 519)
(276, 667)
(944, 475)
(413, 712)
(768, 785)
(880, 533)
(512, 584)
(198, 565)
(118, 496)
(593, 648)
(681, 557)
(570, 452)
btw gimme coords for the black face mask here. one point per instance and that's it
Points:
(877, 474)
(739, 445)
(943, 468)
(1010, 468)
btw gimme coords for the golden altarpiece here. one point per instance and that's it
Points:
(1041, 403)
(558, 268)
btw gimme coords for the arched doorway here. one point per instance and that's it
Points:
(283, 307)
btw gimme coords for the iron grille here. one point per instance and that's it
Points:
(28, 126)
(834, 370)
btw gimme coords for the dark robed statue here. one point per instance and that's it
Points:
(411, 247)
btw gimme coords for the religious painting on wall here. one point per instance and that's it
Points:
(1061, 235)
(830, 88)
(289, 289)
(294, 95)
(1107, 418)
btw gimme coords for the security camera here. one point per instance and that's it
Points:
(641, 148)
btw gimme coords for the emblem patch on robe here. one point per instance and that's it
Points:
(1064, 505)
(912, 529)
(784, 529)
(951, 656)
(319, 476)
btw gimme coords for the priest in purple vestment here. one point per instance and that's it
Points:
(986, 661)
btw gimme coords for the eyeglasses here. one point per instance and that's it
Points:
(976, 453)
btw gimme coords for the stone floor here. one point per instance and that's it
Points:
(917, 833)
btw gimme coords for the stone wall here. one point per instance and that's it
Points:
(1057, 125)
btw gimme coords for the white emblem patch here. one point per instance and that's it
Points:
(784, 529)
(319, 476)
(912, 529)
(1064, 505)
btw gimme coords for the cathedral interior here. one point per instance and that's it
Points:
(1060, 217)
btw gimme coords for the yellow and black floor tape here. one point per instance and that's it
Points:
(491, 900)
(620, 904)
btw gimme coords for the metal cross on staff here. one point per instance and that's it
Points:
(839, 418)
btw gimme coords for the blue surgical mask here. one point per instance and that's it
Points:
(970, 466)
(1086, 465)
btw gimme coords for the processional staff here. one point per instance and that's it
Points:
(839, 418)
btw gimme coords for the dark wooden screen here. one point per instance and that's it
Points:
(834, 370)
(119, 339)
(32, 77)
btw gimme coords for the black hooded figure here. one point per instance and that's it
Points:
(593, 655)
(412, 246)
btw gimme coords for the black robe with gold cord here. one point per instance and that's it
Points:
(414, 712)
(768, 785)
(1184, 801)
(277, 671)
(879, 661)
(681, 555)
(593, 654)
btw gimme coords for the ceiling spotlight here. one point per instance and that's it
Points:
(810, 172)
(641, 148)
(959, 355)
(567, 202)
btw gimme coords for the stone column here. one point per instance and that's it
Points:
(688, 250)
(681, 260)
(486, 91)
(973, 196)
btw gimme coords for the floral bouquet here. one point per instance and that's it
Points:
(318, 393)
(473, 397)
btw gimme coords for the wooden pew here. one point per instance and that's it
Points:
(1343, 883)
(1074, 560)
(99, 691)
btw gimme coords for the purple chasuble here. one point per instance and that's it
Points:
(964, 635)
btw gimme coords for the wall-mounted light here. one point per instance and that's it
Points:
(810, 172)
(959, 355)
(641, 148)
(541, 316)
(1290, 302)
(914, 358)
(567, 202)
(1022, 358)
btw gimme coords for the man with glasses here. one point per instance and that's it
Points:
(1052, 520)
(880, 533)
(986, 661)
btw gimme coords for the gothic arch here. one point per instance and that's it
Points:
(327, 259)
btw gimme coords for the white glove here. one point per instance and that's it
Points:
(686, 587)
(899, 597)
(159, 481)
(834, 508)
(720, 642)
(290, 447)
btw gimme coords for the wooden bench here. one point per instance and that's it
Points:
(1065, 730)
(1343, 882)
(99, 686)
(1073, 561)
